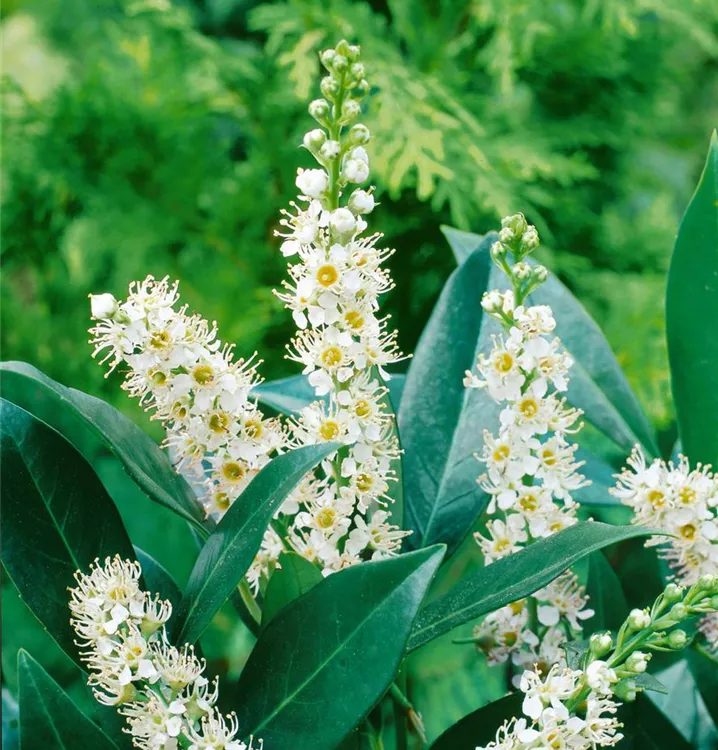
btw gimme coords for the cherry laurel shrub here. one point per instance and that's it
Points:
(334, 509)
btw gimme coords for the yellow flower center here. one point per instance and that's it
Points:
(656, 498)
(504, 362)
(364, 482)
(510, 638)
(218, 422)
(688, 531)
(157, 376)
(501, 544)
(528, 408)
(687, 495)
(332, 356)
(325, 518)
(501, 453)
(362, 408)
(221, 500)
(233, 471)
(327, 275)
(179, 410)
(354, 319)
(549, 457)
(253, 428)
(203, 374)
(329, 429)
(528, 502)
(160, 340)
(517, 607)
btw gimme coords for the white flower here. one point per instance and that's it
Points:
(103, 306)
(343, 221)
(312, 182)
(539, 694)
(361, 202)
(600, 677)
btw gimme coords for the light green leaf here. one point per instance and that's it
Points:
(516, 576)
(57, 518)
(328, 657)
(691, 314)
(49, 720)
(74, 414)
(230, 549)
(294, 577)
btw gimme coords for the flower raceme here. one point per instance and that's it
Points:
(576, 707)
(531, 469)
(190, 381)
(683, 502)
(161, 690)
(335, 280)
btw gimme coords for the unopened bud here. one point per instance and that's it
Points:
(678, 612)
(540, 273)
(600, 644)
(350, 110)
(672, 593)
(343, 48)
(327, 57)
(516, 223)
(530, 240)
(362, 88)
(103, 306)
(639, 619)
(498, 249)
(314, 139)
(714, 603)
(359, 135)
(361, 202)
(625, 690)
(319, 109)
(357, 71)
(638, 662)
(329, 87)
(491, 301)
(342, 221)
(707, 582)
(340, 63)
(506, 235)
(330, 150)
(677, 639)
(521, 271)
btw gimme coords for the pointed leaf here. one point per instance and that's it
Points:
(704, 668)
(230, 549)
(480, 727)
(516, 576)
(74, 414)
(49, 720)
(646, 727)
(328, 657)
(57, 518)
(605, 595)
(691, 313)
(294, 577)
(440, 420)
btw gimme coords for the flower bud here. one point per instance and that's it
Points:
(714, 603)
(672, 593)
(521, 271)
(677, 639)
(625, 690)
(506, 235)
(639, 619)
(359, 135)
(707, 582)
(600, 644)
(103, 306)
(362, 88)
(329, 87)
(530, 240)
(540, 273)
(312, 182)
(327, 57)
(330, 150)
(498, 249)
(361, 202)
(637, 662)
(491, 301)
(342, 221)
(678, 612)
(319, 109)
(343, 48)
(357, 71)
(350, 110)
(355, 170)
(340, 63)
(314, 139)
(516, 223)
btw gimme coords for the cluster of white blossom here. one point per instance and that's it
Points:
(683, 502)
(531, 469)
(189, 379)
(160, 689)
(575, 708)
(342, 344)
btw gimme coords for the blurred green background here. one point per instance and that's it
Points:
(155, 137)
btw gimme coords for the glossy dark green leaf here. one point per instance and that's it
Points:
(480, 727)
(57, 518)
(158, 581)
(646, 727)
(74, 413)
(440, 420)
(328, 657)
(601, 476)
(516, 576)
(49, 720)
(605, 595)
(691, 313)
(230, 549)
(704, 668)
(597, 385)
(575, 652)
(646, 681)
(294, 577)
(10, 722)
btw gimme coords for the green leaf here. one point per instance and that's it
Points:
(230, 549)
(74, 413)
(49, 720)
(480, 727)
(605, 595)
(516, 576)
(290, 395)
(646, 681)
(10, 722)
(57, 518)
(601, 476)
(440, 420)
(294, 577)
(327, 658)
(158, 581)
(575, 652)
(704, 668)
(645, 727)
(597, 383)
(691, 312)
